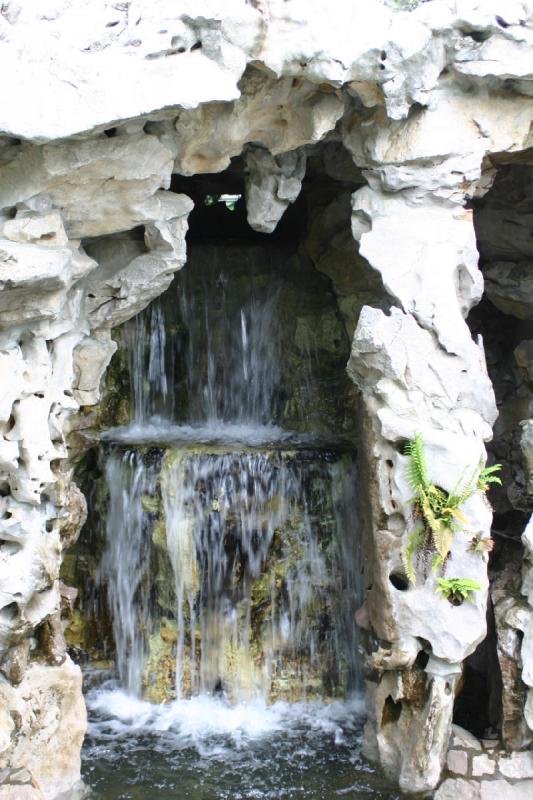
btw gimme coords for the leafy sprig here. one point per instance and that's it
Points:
(439, 511)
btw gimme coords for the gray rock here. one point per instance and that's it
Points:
(517, 765)
(457, 789)
(483, 765)
(499, 789)
(457, 762)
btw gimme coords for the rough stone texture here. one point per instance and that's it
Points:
(482, 765)
(457, 762)
(464, 739)
(427, 104)
(20, 793)
(457, 789)
(493, 773)
(495, 790)
(272, 183)
(47, 713)
(18, 784)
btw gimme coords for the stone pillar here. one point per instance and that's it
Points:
(419, 372)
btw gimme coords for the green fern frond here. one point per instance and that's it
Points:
(486, 476)
(457, 588)
(437, 563)
(414, 543)
(416, 468)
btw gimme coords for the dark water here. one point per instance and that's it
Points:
(203, 749)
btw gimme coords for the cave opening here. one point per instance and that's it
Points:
(221, 560)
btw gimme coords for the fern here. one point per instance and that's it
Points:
(414, 543)
(457, 589)
(416, 468)
(441, 516)
(486, 477)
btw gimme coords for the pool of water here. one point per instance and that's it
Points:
(205, 749)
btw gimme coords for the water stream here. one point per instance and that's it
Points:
(231, 565)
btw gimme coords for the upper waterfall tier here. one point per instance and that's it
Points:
(249, 336)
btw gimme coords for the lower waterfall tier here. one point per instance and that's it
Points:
(229, 569)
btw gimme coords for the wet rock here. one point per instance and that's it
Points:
(51, 641)
(510, 287)
(510, 615)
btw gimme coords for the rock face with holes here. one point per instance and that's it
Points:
(429, 104)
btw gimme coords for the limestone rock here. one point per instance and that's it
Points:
(457, 789)
(429, 105)
(528, 709)
(517, 765)
(457, 762)
(16, 661)
(18, 792)
(90, 360)
(272, 183)
(406, 697)
(463, 738)
(482, 765)
(51, 723)
(496, 790)
(206, 139)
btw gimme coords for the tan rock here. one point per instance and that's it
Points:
(13, 792)
(51, 721)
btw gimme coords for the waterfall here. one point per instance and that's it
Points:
(232, 559)
(125, 562)
(236, 377)
(224, 514)
(264, 556)
(151, 386)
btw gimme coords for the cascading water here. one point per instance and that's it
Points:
(263, 595)
(231, 564)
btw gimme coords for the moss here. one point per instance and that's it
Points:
(114, 407)
(151, 503)
(159, 676)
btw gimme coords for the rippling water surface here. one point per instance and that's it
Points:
(206, 749)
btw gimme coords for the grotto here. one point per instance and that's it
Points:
(266, 399)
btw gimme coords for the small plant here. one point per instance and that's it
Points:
(487, 476)
(456, 590)
(438, 511)
(481, 545)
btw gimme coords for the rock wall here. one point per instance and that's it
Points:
(106, 101)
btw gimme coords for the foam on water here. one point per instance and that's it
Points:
(159, 431)
(205, 721)
(206, 749)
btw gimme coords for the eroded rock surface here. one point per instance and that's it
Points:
(91, 232)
